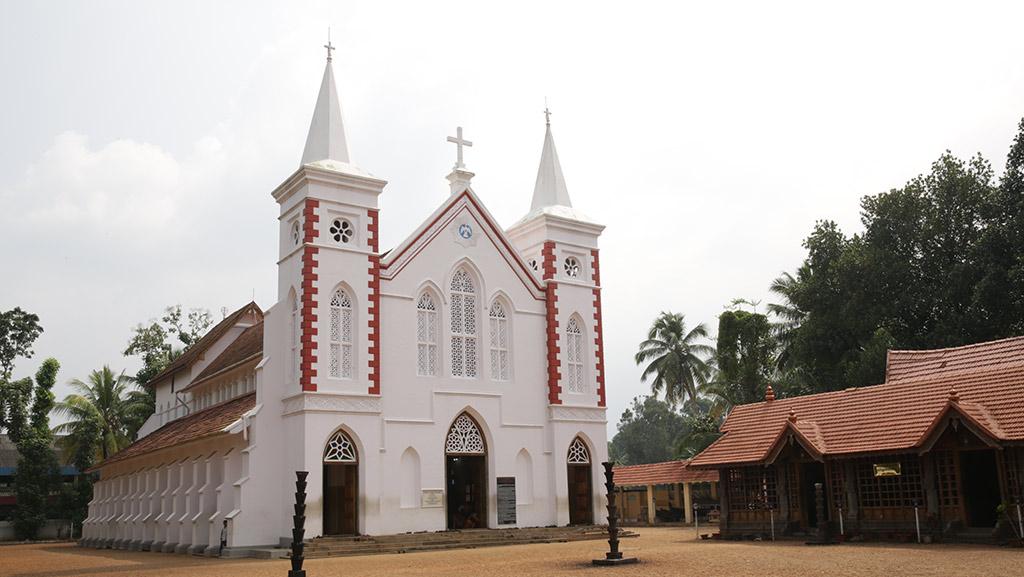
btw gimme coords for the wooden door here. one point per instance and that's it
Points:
(341, 494)
(580, 495)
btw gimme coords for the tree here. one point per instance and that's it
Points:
(745, 357)
(675, 358)
(27, 425)
(647, 433)
(102, 404)
(18, 330)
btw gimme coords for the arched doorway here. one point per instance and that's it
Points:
(341, 485)
(581, 490)
(466, 474)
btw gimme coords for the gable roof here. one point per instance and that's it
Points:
(908, 365)
(665, 473)
(395, 260)
(212, 336)
(203, 424)
(247, 347)
(893, 417)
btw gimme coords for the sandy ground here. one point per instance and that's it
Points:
(662, 551)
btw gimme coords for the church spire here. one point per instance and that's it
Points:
(326, 139)
(549, 189)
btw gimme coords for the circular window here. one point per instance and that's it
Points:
(342, 230)
(572, 267)
(533, 264)
(296, 232)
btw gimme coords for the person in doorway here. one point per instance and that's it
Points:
(223, 538)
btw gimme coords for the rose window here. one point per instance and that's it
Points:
(571, 267)
(342, 231)
(296, 233)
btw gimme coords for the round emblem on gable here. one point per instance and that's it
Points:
(465, 231)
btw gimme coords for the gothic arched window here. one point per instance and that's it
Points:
(578, 452)
(463, 325)
(341, 335)
(574, 356)
(464, 438)
(499, 342)
(426, 336)
(340, 449)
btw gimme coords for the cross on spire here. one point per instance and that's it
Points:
(547, 112)
(459, 143)
(330, 47)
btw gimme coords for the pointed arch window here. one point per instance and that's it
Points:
(426, 336)
(574, 356)
(499, 341)
(578, 452)
(341, 335)
(340, 449)
(294, 338)
(464, 438)
(463, 325)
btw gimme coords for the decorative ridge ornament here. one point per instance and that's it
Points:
(769, 394)
(954, 395)
(792, 415)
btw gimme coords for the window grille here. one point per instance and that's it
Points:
(341, 336)
(464, 438)
(499, 342)
(463, 325)
(426, 336)
(752, 488)
(904, 490)
(578, 453)
(574, 353)
(340, 449)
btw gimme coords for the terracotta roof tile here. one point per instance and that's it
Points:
(661, 474)
(892, 417)
(206, 423)
(902, 366)
(248, 345)
(211, 337)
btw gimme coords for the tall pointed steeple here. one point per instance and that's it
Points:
(327, 139)
(550, 189)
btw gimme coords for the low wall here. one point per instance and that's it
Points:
(53, 529)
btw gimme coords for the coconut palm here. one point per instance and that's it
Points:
(102, 401)
(789, 318)
(675, 358)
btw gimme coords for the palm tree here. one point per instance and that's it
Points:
(102, 401)
(675, 358)
(790, 318)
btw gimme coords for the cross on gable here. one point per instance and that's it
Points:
(459, 143)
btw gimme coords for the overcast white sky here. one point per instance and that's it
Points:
(141, 140)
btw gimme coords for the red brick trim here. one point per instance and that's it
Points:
(307, 341)
(554, 364)
(598, 329)
(373, 313)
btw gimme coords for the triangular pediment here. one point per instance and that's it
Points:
(463, 208)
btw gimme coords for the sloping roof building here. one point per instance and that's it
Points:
(944, 433)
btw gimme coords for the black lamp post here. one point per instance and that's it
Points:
(613, 556)
(298, 529)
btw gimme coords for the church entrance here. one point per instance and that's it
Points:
(341, 486)
(980, 478)
(581, 489)
(466, 475)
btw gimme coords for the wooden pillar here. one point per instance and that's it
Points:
(676, 496)
(723, 500)
(931, 484)
(850, 484)
(782, 493)
(687, 503)
(650, 504)
(714, 489)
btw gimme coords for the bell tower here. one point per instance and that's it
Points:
(329, 261)
(560, 244)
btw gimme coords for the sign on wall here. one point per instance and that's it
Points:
(506, 500)
(432, 498)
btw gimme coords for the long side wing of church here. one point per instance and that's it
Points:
(455, 381)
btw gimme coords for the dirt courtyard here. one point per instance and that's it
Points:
(662, 551)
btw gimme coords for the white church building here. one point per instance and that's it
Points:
(455, 381)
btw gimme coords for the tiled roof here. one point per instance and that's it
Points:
(248, 346)
(199, 347)
(892, 417)
(206, 423)
(903, 366)
(661, 474)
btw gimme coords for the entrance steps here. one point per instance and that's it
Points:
(466, 539)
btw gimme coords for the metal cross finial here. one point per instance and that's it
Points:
(547, 112)
(329, 46)
(459, 143)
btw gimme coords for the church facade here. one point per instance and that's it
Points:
(455, 381)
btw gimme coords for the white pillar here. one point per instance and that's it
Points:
(688, 503)
(650, 504)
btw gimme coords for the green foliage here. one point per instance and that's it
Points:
(154, 343)
(101, 404)
(18, 330)
(675, 358)
(647, 433)
(745, 357)
(37, 474)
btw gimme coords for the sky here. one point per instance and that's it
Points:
(141, 140)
